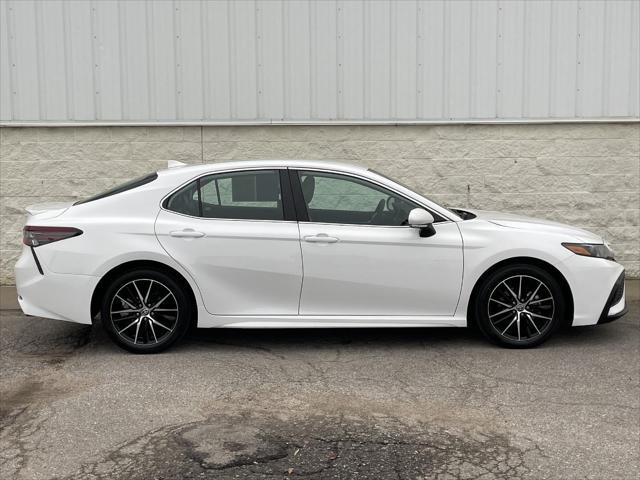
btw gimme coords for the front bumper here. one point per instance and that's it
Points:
(53, 295)
(616, 305)
(591, 281)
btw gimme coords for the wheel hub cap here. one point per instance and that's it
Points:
(521, 308)
(144, 312)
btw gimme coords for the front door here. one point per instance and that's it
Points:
(361, 258)
(237, 238)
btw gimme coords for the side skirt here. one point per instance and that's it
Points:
(319, 321)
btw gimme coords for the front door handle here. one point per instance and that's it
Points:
(186, 233)
(320, 238)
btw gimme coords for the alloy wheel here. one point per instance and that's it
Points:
(144, 312)
(521, 308)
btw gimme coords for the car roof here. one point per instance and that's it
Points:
(222, 166)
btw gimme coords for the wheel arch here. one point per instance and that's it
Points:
(118, 270)
(564, 284)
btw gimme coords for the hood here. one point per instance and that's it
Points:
(526, 223)
(48, 210)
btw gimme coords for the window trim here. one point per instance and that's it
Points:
(198, 189)
(295, 185)
(288, 204)
(122, 188)
(298, 196)
(302, 206)
(288, 210)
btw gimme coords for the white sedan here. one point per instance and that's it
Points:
(288, 244)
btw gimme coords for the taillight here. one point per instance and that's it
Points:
(36, 236)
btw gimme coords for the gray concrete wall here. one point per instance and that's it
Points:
(583, 174)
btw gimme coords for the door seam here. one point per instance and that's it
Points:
(302, 267)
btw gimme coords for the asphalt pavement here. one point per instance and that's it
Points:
(319, 404)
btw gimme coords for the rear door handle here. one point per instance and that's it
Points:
(186, 233)
(320, 238)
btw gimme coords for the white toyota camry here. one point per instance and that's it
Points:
(274, 244)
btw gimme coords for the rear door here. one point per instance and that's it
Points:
(236, 234)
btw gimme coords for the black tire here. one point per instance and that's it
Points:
(519, 322)
(154, 326)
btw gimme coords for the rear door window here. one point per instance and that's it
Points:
(251, 195)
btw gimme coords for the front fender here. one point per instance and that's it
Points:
(486, 245)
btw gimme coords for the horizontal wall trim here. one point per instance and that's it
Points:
(257, 123)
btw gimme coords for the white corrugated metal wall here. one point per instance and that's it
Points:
(318, 60)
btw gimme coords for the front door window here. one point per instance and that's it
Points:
(332, 198)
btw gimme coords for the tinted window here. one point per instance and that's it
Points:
(334, 198)
(251, 195)
(131, 184)
(185, 201)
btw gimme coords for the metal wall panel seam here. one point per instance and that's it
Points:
(339, 59)
(285, 59)
(95, 58)
(15, 112)
(552, 60)
(5, 66)
(39, 27)
(206, 68)
(392, 56)
(419, 60)
(473, 76)
(634, 61)
(151, 70)
(579, 60)
(313, 62)
(366, 59)
(526, 54)
(446, 58)
(177, 55)
(233, 104)
(259, 59)
(68, 58)
(310, 53)
(122, 42)
(499, 59)
(604, 108)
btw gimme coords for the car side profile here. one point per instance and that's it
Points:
(305, 244)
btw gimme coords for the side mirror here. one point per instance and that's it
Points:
(420, 218)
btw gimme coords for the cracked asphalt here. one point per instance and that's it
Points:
(319, 404)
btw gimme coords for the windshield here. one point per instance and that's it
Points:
(131, 184)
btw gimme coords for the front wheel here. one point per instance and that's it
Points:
(519, 306)
(145, 311)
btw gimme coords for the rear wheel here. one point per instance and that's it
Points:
(519, 306)
(145, 311)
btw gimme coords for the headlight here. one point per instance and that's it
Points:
(598, 250)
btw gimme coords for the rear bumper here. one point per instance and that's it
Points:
(616, 305)
(53, 295)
